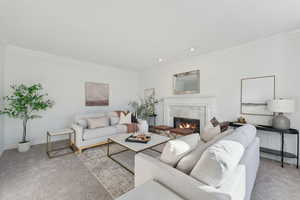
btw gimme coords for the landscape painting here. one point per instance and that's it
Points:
(96, 94)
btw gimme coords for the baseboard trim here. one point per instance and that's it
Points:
(33, 142)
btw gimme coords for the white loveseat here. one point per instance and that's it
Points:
(87, 138)
(238, 186)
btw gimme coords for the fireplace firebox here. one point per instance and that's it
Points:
(187, 123)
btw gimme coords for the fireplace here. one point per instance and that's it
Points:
(187, 123)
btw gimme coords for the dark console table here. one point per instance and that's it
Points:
(281, 153)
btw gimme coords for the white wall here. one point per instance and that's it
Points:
(221, 73)
(64, 80)
(2, 48)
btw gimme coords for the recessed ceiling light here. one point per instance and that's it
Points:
(159, 60)
(192, 49)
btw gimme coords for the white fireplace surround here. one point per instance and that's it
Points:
(193, 107)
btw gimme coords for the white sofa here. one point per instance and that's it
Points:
(236, 187)
(87, 138)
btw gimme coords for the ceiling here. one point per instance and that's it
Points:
(134, 34)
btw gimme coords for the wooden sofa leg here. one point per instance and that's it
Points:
(79, 151)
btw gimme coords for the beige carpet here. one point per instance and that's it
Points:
(93, 176)
(33, 176)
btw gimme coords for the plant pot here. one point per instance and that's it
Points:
(24, 146)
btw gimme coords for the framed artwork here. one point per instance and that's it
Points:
(255, 92)
(96, 94)
(149, 92)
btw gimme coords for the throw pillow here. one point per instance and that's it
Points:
(114, 120)
(174, 150)
(210, 132)
(218, 162)
(125, 118)
(224, 125)
(188, 162)
(97, 122)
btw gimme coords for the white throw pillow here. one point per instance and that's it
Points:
(188, 162)
(210, 132)
(125, 119)
(97, 122)
(217, 162)
(174, 150)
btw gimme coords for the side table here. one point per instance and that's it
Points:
(61, 132)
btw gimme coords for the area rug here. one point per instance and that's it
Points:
(115, 179)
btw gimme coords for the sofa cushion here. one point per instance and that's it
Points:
(187, 163)
(97, 122)
(99, 132)
(121, 128)
(218, 162)
(89, 115)
(244, 135)
(174, 150)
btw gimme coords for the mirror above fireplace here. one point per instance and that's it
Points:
(187, 82)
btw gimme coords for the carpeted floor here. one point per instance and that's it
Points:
(93, 176)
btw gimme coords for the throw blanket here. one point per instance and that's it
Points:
(131, 128)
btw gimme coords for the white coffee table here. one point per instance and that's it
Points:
(135, 147)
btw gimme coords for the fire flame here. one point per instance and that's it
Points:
(187, 125)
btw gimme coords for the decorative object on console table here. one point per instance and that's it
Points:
(282, 132)
(281, 106)
(241, 120)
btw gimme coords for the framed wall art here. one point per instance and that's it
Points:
(96, 94)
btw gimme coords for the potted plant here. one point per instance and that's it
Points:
(24, 103)
(144, 108)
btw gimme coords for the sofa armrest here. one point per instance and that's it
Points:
(78, 134)
(149, 168)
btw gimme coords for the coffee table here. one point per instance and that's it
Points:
(132, 146)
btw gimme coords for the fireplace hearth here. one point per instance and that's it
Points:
(187, 123)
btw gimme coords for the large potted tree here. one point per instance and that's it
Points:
(24, 103)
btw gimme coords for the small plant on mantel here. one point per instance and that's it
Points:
(24, 103)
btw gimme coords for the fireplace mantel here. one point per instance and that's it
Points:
(189, 106)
